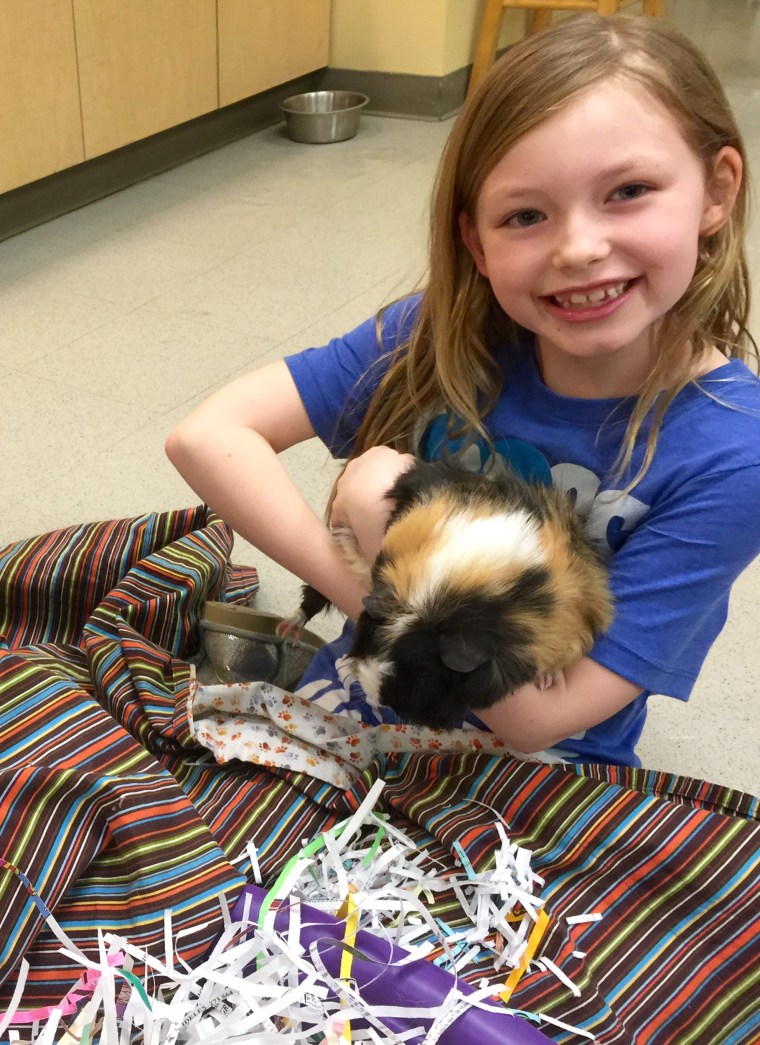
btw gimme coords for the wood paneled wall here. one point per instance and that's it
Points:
(40, 121)
(263, 44)
(144, 65)
(80, 78)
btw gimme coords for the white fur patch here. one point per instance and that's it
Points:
(395, 627)
(506, 541)
(370, 674)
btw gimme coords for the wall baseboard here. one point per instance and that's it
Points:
(390, 94)
(69, 189)
(402, 94)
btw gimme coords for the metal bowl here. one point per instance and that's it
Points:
(319, 117)
(241, 644)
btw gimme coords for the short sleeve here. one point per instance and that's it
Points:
(336, 382)
(672, 578)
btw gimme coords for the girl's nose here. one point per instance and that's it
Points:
(581, 242)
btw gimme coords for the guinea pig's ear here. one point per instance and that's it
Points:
(463, 653)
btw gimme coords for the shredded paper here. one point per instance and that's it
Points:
(343, 947)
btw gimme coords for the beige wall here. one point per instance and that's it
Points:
(422, 37)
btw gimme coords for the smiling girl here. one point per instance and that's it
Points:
(584, 323)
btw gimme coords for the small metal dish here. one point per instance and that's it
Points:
(319, 117)
(241, 645)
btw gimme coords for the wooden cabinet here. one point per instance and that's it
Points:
(263, 43)
(144, 65)
(80, 78)
(40, 120)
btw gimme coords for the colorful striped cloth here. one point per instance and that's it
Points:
(110, 813)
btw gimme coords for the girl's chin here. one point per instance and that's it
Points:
(590, 349)
(614, 369)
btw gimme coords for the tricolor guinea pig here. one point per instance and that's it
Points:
(481, 586)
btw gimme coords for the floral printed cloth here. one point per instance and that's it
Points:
(263, 724)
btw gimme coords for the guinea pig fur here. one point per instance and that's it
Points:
(481, 586)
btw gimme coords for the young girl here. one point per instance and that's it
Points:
(585, 323)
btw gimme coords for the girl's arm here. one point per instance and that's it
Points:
(532, 719)
(226, 450)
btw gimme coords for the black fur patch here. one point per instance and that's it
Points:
(466, 654)
(424, 481)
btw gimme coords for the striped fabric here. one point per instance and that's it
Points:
(106, 805)
(109, 813)
(675, 957)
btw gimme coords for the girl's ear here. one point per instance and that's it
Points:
(723, 184)
(471, 240)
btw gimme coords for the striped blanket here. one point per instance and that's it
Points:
(110, 812)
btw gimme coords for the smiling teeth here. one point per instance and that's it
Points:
(594, 297)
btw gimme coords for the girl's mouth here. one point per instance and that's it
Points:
(594, 304)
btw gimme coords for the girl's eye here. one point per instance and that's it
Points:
(524, 218)
(631, 192)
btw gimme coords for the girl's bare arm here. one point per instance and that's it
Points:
(532, 719)
(226, 450)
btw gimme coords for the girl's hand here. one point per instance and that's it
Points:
(360, 500)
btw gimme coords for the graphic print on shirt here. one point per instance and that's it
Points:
(609, 514)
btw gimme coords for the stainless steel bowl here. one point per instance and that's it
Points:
(241, 644)
(319, 117)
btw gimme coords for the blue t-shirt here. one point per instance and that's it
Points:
(674, 544)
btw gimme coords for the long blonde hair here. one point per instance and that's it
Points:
(447, 360)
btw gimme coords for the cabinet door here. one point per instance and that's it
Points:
(40, 121)
(266, 42)
(144, 65)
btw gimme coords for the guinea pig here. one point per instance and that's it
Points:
(482, 584)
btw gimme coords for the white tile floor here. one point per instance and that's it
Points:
(117, 318)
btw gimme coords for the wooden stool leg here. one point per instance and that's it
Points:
(608, 7)
(653, 8)
(488, 37)
(540, 20)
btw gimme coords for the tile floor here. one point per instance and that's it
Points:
(119, 317)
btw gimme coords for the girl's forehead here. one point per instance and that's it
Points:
(614, 124)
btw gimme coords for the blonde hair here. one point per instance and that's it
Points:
(447, 359)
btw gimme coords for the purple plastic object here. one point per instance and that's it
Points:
(419, 983)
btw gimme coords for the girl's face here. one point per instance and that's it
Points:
(588, 230)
